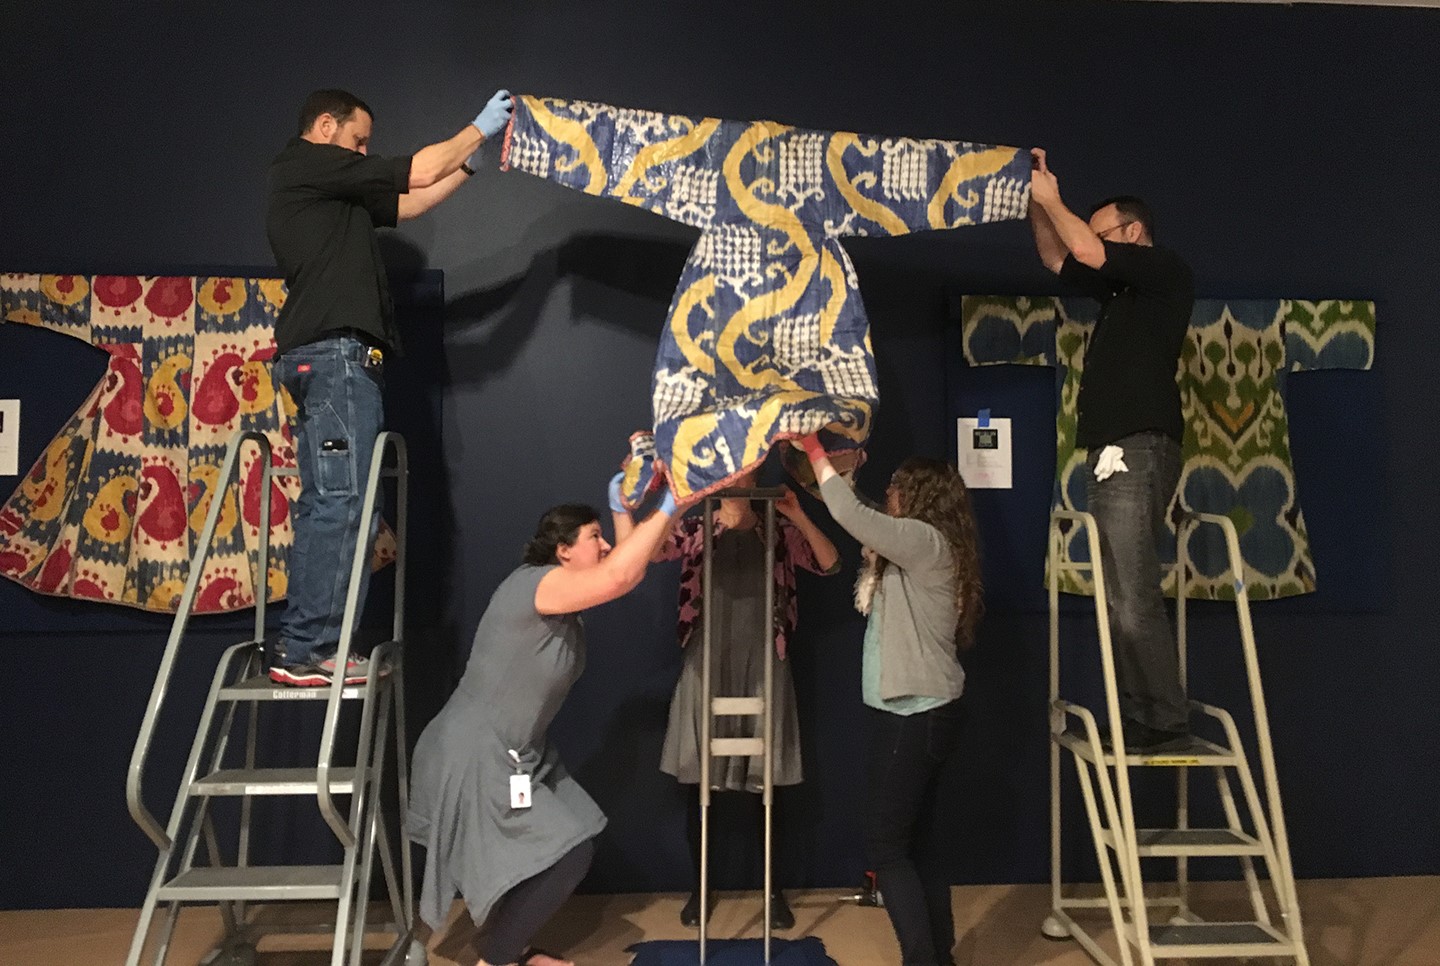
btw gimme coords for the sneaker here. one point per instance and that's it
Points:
(780, 915)
(322, 673)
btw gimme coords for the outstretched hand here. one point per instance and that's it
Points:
(1044, 186)
(812, 446)
(496, 114)
(789, 506)
(612, 491)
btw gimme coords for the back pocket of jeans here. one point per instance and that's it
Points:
(334, 466)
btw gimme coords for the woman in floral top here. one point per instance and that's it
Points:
(737, 651)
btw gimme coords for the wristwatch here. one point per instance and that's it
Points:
(469, 171)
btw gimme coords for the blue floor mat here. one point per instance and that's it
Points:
(731, 952)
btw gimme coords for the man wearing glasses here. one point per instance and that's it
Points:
(1129, 419)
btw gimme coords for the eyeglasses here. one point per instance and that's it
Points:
(1101, 234)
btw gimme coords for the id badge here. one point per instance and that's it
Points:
(519, 791)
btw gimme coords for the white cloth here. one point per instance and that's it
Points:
(1111, 461)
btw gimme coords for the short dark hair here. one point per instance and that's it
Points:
(560, 526)
(1133, 209)
(337, 103)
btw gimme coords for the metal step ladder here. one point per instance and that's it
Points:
(748, 706)
(240, 682)
(1104, 767)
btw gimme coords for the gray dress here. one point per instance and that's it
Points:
(521, 668)
(737, 670)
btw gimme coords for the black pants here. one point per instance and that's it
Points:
(905, 757)
(518, 916)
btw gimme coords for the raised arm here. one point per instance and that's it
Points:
(563, 591)
(1070, 230)
(1051, 249)
(907, 542)
(826, 557)
(438, 169)
(619, 515)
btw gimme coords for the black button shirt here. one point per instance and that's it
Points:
(1128, 384)
(325, 204)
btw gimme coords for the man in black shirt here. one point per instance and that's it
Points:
(1129, 418)
(327, 197)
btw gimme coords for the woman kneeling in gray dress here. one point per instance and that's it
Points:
(502, 822)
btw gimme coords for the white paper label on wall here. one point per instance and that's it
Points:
(9, 437)
(984, 451)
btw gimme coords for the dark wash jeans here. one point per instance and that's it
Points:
(905, 757)
(340, 412)
(1129, 510)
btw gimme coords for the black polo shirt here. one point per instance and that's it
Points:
(325, 204)
(1128, 384)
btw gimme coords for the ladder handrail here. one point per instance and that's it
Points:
(359, 570)
(142, 815)
(1128, 860)
(1268, 771)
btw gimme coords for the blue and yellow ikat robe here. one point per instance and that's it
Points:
(766, 337)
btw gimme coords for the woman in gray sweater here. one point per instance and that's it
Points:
(921, 589)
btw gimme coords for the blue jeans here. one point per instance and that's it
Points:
(1129, 510)
(906, 754)
(337, 392)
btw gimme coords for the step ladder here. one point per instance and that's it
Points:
(240, 682)
(1119, 845)
(747, 706)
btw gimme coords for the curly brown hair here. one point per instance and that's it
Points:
(933, 491)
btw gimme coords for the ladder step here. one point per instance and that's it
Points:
(1197, 751)
(755, 706)
(261, 688)
(1172, 842)
(261, 883)
(272, 781)
(736, 746)
(1216, 940)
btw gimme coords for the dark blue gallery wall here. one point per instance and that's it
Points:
(1287, 150)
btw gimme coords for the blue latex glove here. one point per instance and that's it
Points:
(667, 503)
(496, 115)
(613, 491)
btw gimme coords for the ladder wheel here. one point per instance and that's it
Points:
(1052, 928)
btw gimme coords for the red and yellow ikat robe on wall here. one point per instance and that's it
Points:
(112, 509)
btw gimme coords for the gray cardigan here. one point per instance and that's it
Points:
(915, 602)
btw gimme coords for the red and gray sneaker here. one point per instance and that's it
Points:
(322, 673)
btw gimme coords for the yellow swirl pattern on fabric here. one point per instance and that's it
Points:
(45, 494)
(831, 272)
(65, 289)
(696, 296)
(865, 207)
(207, 475)
(966, 168)
(574, 135)
(658, 154)
(165, 398)
(166, 595)
(693, 431)
(106, 519)
(272, 291)
(757, 440)
(778, 301)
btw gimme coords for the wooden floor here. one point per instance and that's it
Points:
(1365, 922)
